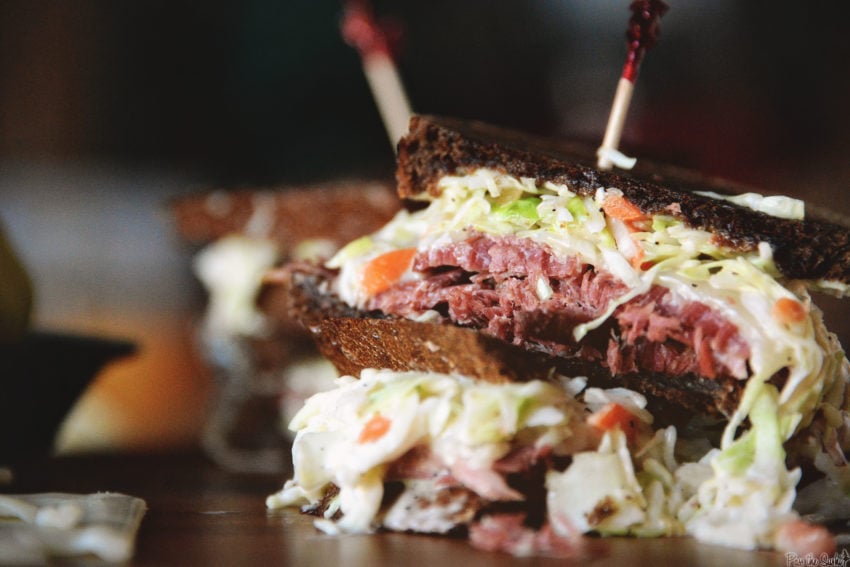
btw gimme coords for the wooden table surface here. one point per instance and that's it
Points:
(200, 515)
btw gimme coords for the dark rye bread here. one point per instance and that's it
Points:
(354, 340)
(337, 211)
(438, 146)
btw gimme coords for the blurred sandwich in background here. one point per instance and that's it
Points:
(264, 366)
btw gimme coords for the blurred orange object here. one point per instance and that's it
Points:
(154, 399)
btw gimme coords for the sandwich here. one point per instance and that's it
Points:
(234, 237)
(546, 350)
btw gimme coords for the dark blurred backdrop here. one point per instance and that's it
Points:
(263, 91)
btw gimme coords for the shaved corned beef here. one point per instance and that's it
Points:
(494, 284)
(508, 533)
(706, 342)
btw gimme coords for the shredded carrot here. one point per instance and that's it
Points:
(618, 207)
(386, 269)
(614, 415)
(787, 310)
(374, 429)
(637, 260)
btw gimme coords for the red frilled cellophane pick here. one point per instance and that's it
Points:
(642, 33)
(362, 31)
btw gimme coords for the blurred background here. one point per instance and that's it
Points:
(108, 110)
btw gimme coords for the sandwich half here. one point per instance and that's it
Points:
(684, 308)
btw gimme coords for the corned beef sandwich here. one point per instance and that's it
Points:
(707, 382)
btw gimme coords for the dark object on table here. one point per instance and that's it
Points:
(42, 376)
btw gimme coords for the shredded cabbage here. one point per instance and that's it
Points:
(612, 502)
(738, 496)
(464, 423)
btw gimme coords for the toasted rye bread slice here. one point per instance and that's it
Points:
(354, 340)
(435, 147)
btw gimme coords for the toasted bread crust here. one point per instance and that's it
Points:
(354, 340)
(338, 212)
(434, 147)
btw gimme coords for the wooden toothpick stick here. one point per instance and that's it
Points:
(642, 35)
(361, 31)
